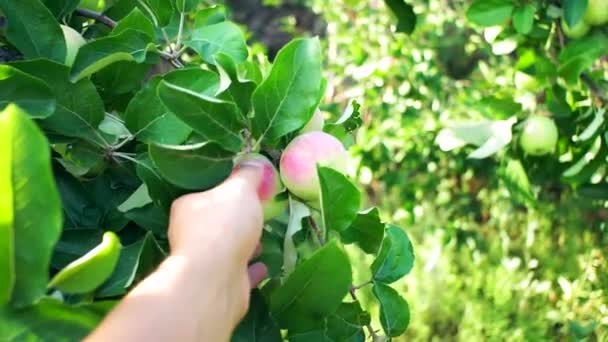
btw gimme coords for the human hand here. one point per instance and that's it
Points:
(217, 232)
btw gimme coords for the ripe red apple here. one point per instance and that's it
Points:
(316, 123)
(539, 136)
(597, 12)
(270, 185)
(300, 158)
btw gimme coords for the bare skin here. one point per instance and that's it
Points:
(201, 291)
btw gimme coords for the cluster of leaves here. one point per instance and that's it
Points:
(158, 102)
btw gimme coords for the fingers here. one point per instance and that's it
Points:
(257, 272)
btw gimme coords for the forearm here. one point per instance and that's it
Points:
(181, 301)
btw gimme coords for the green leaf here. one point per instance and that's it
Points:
(36, 223)
(317, 336)
(490, 12)
(314, 290)
(88, 272)
(287, 99)
(186, 94)
(574, 10)
(79, 108)
(136, 262)
(28, 92)
(210, 16)
(594, 191)
(161, 192)
(394, 310)
(237, 90)
(7, 246)
(138, 199)
(130, 45)
(367, 231)
(490, 136)
(135, 20)
(151, 218)
(516, 180)
(588, 161)
(347, 323)
(340, 199)
(580, 55)
(61, 8)
(406, 18)
(51, 320)
(160, 11)
(193, 167)
(257, 325)
(594, 126)
(186, 5)
(396, 256)
(150, 121)
(224, 37)
(523, 18)
(33, 30)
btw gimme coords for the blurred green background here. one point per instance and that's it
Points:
(488, 268)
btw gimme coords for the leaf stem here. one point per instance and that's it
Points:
(315, 228)
(369, 327)
(83, 12)
(594, 88)
(178, 43)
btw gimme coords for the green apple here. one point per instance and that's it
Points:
(597, 12)
(539, 136)
(73, 42)
(578, 31)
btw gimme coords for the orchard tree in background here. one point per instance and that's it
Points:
(110, 113)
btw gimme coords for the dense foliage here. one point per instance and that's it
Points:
(111, 110)
(509, 246)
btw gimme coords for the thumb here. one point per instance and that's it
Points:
(248, 173)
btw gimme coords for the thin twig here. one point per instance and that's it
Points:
(316, 230)
(83, 12)
(362, 285)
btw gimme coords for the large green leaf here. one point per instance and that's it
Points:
(314, 290)
(7, 245)
(490, 12)
(28, 92)
(394, 310)
(367, 231)
(396, 256)
(235, 88)
(51, 320)
(160, 11)
(36, 219)
(186, 94)
(61, 8)
(135, 20)
(130, 45)
(340, 199)
(224, 37)
(79, 109)
(136, 262)
(161, 192)
(33, 29)
(151, 122)
(193, 167)
(257, 325)
(286, 100)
